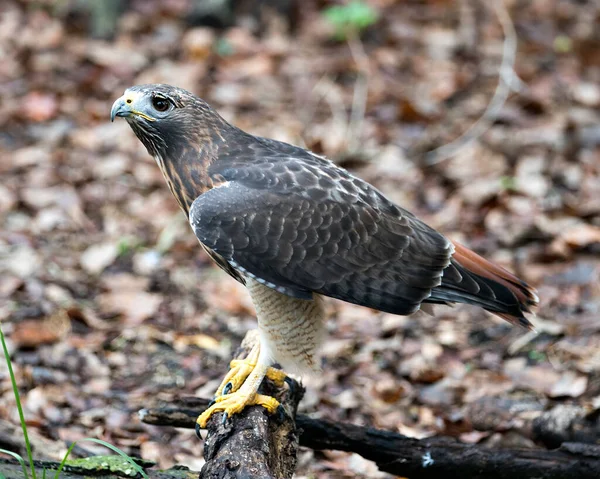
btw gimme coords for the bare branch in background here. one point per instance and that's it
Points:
(325, 89)
(508, 81)
(467, 30)
(361, 89)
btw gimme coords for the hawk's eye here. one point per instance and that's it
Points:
(160, 104)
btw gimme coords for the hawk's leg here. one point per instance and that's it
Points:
(290, 330)
(241, 369)
(246, 395)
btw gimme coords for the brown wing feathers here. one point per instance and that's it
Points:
(472, 279)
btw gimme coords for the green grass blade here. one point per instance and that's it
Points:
(18, 401)
(64, 460)
(111, 447)
(18, 458)
(13, 380)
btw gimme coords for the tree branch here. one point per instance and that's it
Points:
(507, 81)
(425, 458)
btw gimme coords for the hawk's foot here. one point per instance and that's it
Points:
(235, 402)
(241, 369)
(276, 376)
(239, 389)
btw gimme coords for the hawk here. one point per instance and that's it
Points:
(294, 227)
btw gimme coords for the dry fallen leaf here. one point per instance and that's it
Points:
(8, 285)
(39, 107)
(569, 384)
(135, 306)
(581, 235)
(98, 256)
(32, 333)
(202, 341)
(198, 43)
(228, 296)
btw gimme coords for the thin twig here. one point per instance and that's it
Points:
(467, 30)
(361, 89)
(319, 91)
(324, 90)
(507, 81)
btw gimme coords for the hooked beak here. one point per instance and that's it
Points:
(120, 108)
(124, 107)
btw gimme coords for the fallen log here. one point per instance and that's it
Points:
(417, 458)
(530, 417)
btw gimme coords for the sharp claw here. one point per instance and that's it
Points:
(213, 402)
(227, 389)
(224, 420)
(198, 431)
(281, 414)
(291, 385)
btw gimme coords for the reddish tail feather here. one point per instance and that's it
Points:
(474, 280)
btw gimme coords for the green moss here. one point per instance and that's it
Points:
(114, 464)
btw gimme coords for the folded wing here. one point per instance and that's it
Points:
(304, 228)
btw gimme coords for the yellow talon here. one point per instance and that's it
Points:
(239, 388)
(234, 403)
(241, 369)
(277, 376)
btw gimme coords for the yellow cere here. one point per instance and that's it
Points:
(130, 98)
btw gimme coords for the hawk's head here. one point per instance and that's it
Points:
(166, 118)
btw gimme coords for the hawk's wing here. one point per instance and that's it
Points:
(302, 227)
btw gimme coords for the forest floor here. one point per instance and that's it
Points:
(109, 304)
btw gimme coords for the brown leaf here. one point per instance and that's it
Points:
(228, 296)
(541, 378)
(8, 285)
(201, 341)
(32, 333)
(97, 257)
(198, 43)
(581, 235)
(39, 107)
(8, 199)
(135, 306)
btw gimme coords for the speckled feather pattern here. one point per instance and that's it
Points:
(291, 330)
(299, 224)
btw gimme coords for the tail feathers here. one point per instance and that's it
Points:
(472, 279)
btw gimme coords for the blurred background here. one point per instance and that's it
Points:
(108, 303)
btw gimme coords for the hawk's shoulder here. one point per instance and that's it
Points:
(282, 168)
